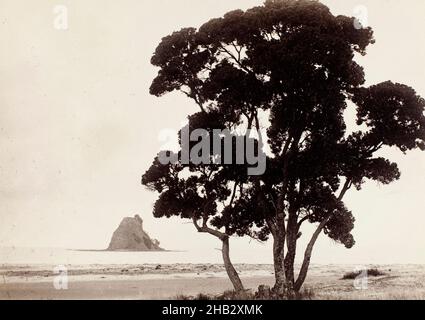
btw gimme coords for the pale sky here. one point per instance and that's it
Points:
(79, 128)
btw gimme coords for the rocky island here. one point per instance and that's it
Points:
(130, 236)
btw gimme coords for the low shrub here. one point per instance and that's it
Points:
(370, 272)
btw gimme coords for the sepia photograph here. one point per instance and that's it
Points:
(212, 150)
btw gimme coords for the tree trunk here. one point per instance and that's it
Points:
(230, 269)
(278, 261)
(225, 250)
(307, 256)
(309, 250)
(291, 239)
(289, 264)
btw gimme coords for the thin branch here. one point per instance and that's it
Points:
(238, 62)
(345, 188)
(194, 97)
(206, 229)
(233, 194)
(301, 221)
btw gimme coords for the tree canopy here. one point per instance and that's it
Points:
(288, 67)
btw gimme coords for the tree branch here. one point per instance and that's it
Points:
(206, 229)
(238, 62)
(193, 96)
(301, 221)
(308, 251)
(233, 194)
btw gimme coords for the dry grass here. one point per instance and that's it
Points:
(304, 294)
(227, 295)
(384, 282)
(370, 272)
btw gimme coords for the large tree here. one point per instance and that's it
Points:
(289, 66)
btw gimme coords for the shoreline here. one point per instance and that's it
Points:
(170, 281)
(45, 273)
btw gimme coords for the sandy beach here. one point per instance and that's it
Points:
(126, 281)
(171, 281)
(123, 289)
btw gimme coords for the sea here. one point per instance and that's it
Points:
(66, 256)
